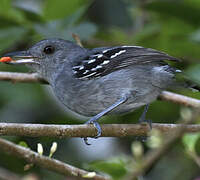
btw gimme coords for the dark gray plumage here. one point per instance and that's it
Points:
(90, 81)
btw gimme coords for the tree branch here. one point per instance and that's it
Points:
(108, 130)
(34, 77)
(180, 99)
(113, 130)
(43, 161)
(155, 154)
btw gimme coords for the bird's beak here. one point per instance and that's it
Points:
(20, 57)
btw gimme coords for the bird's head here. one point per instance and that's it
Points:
(46, 56)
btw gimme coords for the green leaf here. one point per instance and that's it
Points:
(55, 29)
(84, 30)
(193, 73)
(9, 13)
(5, 6)
(174, 40)
(115, 167)
(187, 12)
(61, 8)
(189, 140)
(73, 18)
(34, 7)
(195, 36)
(23, 143)
(65, 27)
(61, 29)
(195, 3)
(9, 36)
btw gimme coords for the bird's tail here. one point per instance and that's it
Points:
(191, 85)
(185, 82)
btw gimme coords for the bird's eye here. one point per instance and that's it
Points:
(48, 49)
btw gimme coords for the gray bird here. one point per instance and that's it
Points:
(100, 81)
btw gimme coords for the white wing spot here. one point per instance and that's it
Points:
(91, 61)
(86, 72)
(105, 62)
(117, 54)
(75, 67)
(98, 67)
(99, 56)
(81, 68)
(88, 75)
(178, 71)
(106, 50)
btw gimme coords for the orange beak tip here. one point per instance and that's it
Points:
(5, 59)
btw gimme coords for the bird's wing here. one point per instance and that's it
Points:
(102, 61)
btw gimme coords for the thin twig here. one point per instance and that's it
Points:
(154, 155)
(195, 157)
(77, 39)
(114, 130)
(43, 161)
(180, 99)
(34, 77)
(108, 130)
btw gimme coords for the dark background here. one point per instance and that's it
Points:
(166, 25)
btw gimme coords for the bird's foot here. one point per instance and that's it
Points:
(142, 138)
(143, 119)
(97, 126)
(146, 121)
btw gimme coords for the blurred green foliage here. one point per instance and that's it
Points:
(170, 26)
(116, 168)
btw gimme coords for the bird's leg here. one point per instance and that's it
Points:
(143, 117)
(144, 120)
(94, 119)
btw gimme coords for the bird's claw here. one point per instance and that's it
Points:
(97, 126)
(142, 138)
(147, 121)
(86, 141)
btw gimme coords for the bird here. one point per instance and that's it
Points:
(100, 81)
